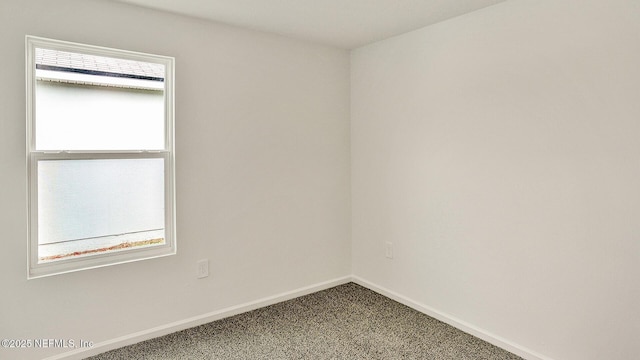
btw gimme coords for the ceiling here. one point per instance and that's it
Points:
(342, 23)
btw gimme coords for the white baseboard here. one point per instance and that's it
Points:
(238, 309)
(453, 321)
(195, 321)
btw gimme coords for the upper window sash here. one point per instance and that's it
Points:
(55, 66)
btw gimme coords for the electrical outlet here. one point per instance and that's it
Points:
(388, 250)
(203, 268)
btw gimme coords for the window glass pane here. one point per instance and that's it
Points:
(103, 202)
(88, 102)
(93, 206)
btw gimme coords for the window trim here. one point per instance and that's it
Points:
(33, 156)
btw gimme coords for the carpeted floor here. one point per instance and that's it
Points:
(344, 322)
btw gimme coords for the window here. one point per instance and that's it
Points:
(100, 156)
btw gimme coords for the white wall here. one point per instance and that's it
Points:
(499, 152)
(262, 146)
(67, 118)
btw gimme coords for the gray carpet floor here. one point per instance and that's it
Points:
(344, 322)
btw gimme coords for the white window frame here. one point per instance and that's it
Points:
(36, 269)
